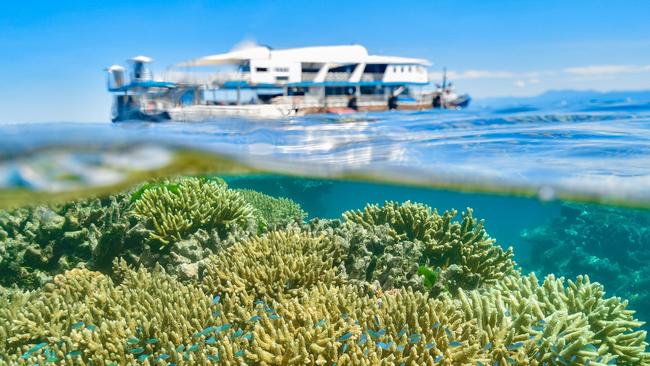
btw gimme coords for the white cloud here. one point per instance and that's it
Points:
(520, 84)
(598, 70)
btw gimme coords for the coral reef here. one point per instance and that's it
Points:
(202, 274)
(394, 240)
(197, 215)
(611, 244)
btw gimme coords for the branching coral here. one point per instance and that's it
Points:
(271, 212)
(466, 256)
(172, 214)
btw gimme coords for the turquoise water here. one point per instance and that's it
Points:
(276, 252)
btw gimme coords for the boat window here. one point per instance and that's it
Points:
(282, 78)
(409, 69)
(281, 69)
(261, 69)
(401, 69)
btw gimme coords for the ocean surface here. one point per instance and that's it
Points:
(566, 185)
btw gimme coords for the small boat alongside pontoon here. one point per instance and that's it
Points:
(260, 82)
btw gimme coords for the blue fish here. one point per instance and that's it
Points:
(163, 356)
(345, 337)
(274, 316)
(268, 309)
(193, 348)
(401, 332)
(488, 346)
(91, 327)
(74, 353)
(538, 328)
(180, 348)
(224, 327)
(239, 353)
(438, 358)
(152, 340)
(259, 302)
(363, 339)
(255, 318)
(215, 299)
(511, 360)
(211, 340)
(383, 345)
(77, 325)
(133, 340)
(214, 358)
(136, 351)
(455, 344)
(429, 346)
(248, 336)
(344, 348)
(143, 357)
(365, 352)
(216, 313)
(400, 348)
(515, 346)
(448, 332)
(320, 323)
(591, 348)
(237, 333)
(436, 325)
(415, 338)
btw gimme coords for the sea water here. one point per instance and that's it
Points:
(566, 186)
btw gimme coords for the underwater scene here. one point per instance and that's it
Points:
(366, 240)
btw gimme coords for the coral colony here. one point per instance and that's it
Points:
(191, 272)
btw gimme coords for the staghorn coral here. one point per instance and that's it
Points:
(554, 323)
(272, 212)
(462, 251)
(174, 211)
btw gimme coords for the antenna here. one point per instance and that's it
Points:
(444, 78)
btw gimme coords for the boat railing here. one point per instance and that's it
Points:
(205, 78)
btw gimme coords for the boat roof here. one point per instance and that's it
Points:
(347, 54)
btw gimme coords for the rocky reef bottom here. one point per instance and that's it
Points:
(191, 272)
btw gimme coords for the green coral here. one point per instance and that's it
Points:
(462, 251)
(271, 212)
(174, 211)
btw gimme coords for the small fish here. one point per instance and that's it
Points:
(152, 340)
(455, 344)
(77, 325)
(400, 348)
(449, 333)
(345, 316)
(538, 328)
(268, 309)
(74, 353)
(193, 348)
(133, 340)
(224, 327)
(136, 351)
(401, 332)
(345, 337)
(436, 325)
(248, 336)
(239, 353)
(429, 346)
(479, 363)
(143, 357)
(365, 352)
(507, 312)
(511, 360)
(363, 339)
(180, 348)
(344, 348)
(259, 302)
(216, 313)
(414, 338)
(91, 327)
(215, 358)
(488, 346)
(515, 346)
(438, 358)
(274, 316)
(612, 362)
(591, 348)
(211, 340)
(238, 333)
(320, 323)
(215, 299)
(381, 332)
(554, 349)
(255, 318)
(163, 356)
(383, 345)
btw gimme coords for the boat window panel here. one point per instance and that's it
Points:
(282, 78)
(261, 69)
(245, 67)
(375, 68)
(281, 69)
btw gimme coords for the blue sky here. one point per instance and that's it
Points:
(53, 52)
